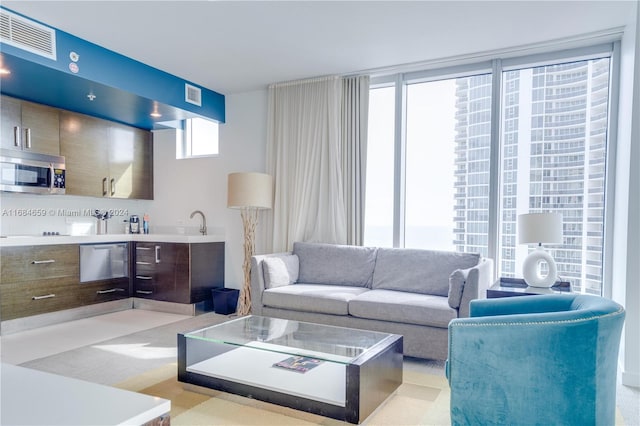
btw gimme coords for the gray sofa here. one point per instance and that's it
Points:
(410, 292)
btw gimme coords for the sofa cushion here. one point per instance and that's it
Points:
(326, 299)
(419, 271)
(335, 264)
(279, 271)
(403, 307)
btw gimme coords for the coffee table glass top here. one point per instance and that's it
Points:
(331, 343)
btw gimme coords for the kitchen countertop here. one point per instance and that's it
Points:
(34, 240)
(31, 397)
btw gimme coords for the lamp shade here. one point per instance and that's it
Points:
(536, 228)
(250, 190)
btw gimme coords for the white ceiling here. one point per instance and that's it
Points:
(236, 46)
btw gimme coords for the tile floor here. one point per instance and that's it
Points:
(46, 341)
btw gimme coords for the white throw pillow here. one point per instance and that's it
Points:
(279, 271)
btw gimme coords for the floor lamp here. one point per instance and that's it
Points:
(249, 192)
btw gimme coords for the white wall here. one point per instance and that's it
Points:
(182, 186)
(626, 232)
(28, 214)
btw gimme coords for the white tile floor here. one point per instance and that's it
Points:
(45, 341)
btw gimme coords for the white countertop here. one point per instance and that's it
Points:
(33, 240)
(31, 397)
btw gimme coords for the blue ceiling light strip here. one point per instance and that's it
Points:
(123, 89)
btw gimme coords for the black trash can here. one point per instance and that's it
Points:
(225, 300)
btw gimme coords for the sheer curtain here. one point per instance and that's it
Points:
(355, 113)
(307, 155)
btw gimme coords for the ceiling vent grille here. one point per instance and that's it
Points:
(193, 94)
(27, 35)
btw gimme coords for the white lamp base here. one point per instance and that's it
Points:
(531, 269)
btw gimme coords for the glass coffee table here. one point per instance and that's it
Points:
(336, 372)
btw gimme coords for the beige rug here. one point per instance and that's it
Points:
(421, 400)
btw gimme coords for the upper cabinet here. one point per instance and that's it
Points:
(26, 126)
(106, 159)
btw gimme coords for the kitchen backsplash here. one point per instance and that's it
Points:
(27, 214)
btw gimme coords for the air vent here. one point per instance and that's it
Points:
(27, 35)
(193, 94)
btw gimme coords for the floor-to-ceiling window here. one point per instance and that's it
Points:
(435, 137)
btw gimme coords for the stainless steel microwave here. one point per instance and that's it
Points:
(31, 172)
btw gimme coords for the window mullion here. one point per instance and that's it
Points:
(494, 166)
(399, 162)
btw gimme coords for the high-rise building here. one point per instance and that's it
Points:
(553, 156)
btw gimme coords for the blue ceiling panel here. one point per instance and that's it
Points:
(123, 89)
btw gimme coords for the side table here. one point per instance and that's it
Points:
(509, 287)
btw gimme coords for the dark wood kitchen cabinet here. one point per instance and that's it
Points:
(38, 279)
(177, 272)
(26, 126)
(106, 159)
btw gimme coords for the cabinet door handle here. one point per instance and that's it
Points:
(27, 137)
(111, 290)
(157, 254)
(144, 291)
(52, 176)
(17, 136)
(143, 248)
(113, 186)
(143, 263)
(46, 296)
(41, 262)
(144, 277)
(104, 187)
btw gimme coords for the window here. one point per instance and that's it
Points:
(433, 185)
(199, 139)
(380, 171)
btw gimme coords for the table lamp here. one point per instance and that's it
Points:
(249, 192)
(539, 228)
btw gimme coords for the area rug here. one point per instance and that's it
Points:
(422, 399)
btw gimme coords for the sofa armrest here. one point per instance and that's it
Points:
(257, 280)
(479, 279)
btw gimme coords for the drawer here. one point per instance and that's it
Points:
(103, 291)
(19, 300)
(30, 263)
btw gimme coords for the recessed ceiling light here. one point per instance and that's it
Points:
(155, 113)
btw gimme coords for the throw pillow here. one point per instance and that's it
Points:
(456, 285)
(279, 271)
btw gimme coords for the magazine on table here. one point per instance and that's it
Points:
(300, 364)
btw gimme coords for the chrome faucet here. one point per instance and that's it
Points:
(203, 227)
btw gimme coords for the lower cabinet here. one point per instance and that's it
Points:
(177, 272)
(41, 279)
(38, 279)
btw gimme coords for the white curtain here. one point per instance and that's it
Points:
(304, 155)
(355, 113)
(316, 152)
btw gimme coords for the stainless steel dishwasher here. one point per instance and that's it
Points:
(103, 261)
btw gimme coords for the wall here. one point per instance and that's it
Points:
(626, 232)
(28, 214)
(182, 186)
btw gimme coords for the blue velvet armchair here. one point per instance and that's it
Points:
(535, 360)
